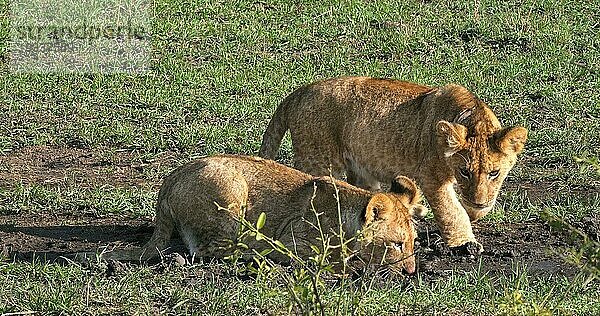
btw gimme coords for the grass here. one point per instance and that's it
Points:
(212, 289)
(98, 201)
(218, 71)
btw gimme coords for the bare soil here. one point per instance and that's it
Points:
(52, 238)
(59, 238)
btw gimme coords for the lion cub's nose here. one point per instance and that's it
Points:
(410, 267)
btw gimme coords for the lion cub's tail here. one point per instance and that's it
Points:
(274, 133)
(163, 229)
(105, 253)
(278, 125)
(150, 250)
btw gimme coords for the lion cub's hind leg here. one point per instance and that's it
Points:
(320, 166)
(360, 177)
(213, 239)
(316, 154)
(163, 230)
(362, 180)
(208, 212)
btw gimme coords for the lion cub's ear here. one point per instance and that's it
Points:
(408, 189)
(511, 140)
(378, 206)
(405, 186)
(451, 137)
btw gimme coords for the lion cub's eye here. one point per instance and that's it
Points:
(464, 172)
(397, 245)
(493, 174)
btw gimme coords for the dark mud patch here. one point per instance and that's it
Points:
(67, 166)
(530, 245)
(29, 236)
(507, 246)
(51, 238)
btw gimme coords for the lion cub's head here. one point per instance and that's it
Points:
(480, 157)
(389, 231)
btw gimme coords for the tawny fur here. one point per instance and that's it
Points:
(189, 197)
(375, 129)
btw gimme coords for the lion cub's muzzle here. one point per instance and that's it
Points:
(477, 210)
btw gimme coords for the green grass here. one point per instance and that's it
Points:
(218, 71)
(211, 289)
(98, 201)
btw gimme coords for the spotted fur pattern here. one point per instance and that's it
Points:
(375, 129)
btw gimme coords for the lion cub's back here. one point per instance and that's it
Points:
(345, 97)
(189, 194)
(229, 179)
(223, 170)
(333, 109)
(262, 174)
(195, 188)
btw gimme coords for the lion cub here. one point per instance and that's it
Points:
(189, 196)
(375, 129)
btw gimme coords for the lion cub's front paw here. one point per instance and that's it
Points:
(470, 248)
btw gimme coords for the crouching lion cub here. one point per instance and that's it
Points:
(189, 196)
(375, 129)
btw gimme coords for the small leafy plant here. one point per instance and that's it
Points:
(306, 279)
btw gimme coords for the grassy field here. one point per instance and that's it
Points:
(218, 70)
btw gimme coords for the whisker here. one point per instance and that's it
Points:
(464, 158)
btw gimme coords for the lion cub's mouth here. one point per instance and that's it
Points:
(476, 210)
(476, 205)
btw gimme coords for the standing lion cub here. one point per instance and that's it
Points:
(376, 129)
(189, 196)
